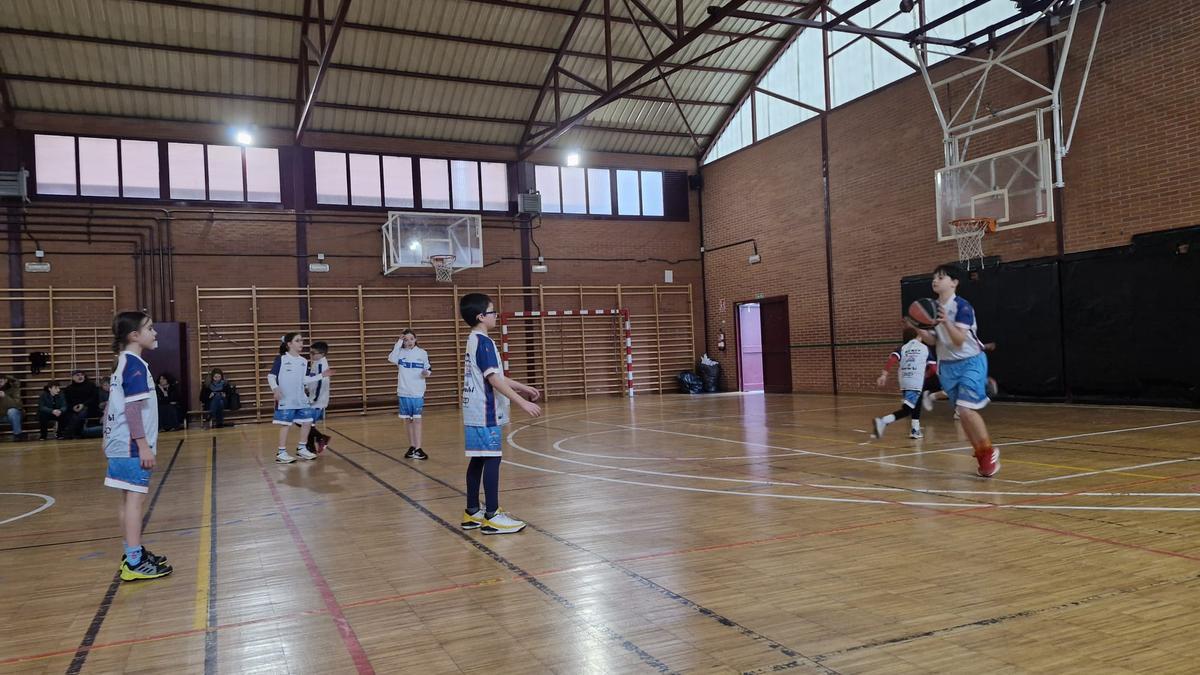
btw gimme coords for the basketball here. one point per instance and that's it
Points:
(923, 312)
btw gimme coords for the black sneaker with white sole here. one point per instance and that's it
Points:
(410, 453)
(419, 454)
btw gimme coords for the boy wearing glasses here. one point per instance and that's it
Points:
(484, 416)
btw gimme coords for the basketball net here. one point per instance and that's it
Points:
(969, 233)
(443, 267)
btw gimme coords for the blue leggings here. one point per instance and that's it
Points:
(487, 469)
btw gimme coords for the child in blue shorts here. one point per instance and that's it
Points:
(131, 438)
(484, 416)
(287, 378)
(414, 368)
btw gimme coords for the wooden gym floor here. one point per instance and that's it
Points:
(712, 534)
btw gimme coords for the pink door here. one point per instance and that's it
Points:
(750, 348)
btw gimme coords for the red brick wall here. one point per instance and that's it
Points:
(1133, 168)
(240, 250)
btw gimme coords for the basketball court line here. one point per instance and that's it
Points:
(602, 560)
(47, 502)
(89, 636)
(357, 654)
(512, 441)
(1051, 439)
(206, 565)
(598, 629)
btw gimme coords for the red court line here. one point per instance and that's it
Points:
(739, 544)
(357, 653)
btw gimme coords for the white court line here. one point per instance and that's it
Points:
(1044, 507)
(49, 501)
(1047, 440)
(1114, 470)
(847, 500)
(652, 458)
(845, 458)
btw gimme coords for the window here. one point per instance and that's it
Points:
(185, 164)
(574, 190)
(98, 167)
(262, 175)
(54, 158)
(435, 184)
(225, 173)
(398, 182)
(856, 67)
(628, 194)
(495, 186)
(546, 180)
(389, 181)
(577, 190)
(139, 169)
(330, 170)
(365, 189)
(652, 193)
(464, 182)
(599, 191)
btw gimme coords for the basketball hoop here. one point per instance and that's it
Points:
(443, 267)
(969, 233)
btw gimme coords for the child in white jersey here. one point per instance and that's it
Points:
(485, 397)
(414, 368)
(912, 359)
(318, 394)
(131, 438)
(287, 378)
(962, 365)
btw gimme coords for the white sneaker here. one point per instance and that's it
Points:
(916, 434)
(927, 401)
(880, 425)
(956, 415)
(303, 453)
(502, 523)
(282, 457)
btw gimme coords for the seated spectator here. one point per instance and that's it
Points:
(216, 396)
(170, 410)
(52, 408)
(83, 401)
(10, 404)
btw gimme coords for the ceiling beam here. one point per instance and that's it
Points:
(323, 66)
(851, 13)
(499, 44)
(551, 79)
(624, 85)
(511, 4)
(749, 89)
(61, 81)
(678, 108)
(657, 22)
(841, 28)
(291, 61)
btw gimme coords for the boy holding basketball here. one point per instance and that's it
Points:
(962, 364)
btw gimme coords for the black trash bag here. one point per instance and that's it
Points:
(710, 375)
(689, 383)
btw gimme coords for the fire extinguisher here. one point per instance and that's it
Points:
(721, 340)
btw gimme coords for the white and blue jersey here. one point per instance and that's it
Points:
(130, 381)
(913, 358)
(289, 374)
(318, 392)
(962, 369)
(412, 363)
(482, 406)
(962, 313)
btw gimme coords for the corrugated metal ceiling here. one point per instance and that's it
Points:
(454, 70)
